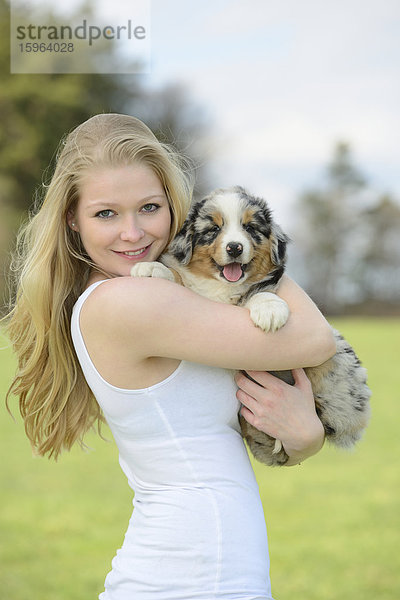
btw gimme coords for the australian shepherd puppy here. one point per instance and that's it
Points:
(231, 250)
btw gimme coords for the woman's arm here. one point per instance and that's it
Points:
(283, 411)
(155, 317)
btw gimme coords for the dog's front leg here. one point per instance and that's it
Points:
(268, 311)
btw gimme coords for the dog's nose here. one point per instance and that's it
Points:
(234, 249)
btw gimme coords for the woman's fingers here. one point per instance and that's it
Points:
(246, 400)
(273, 383)
(300, 379)
(261, 378)
(248, 415)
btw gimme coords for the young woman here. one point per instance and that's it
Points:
(157, 361)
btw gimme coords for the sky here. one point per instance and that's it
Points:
(281, 82)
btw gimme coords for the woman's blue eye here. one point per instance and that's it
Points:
(105, 214)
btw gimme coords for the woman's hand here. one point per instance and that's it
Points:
(285, 412)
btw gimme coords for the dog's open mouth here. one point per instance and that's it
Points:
(232, 272)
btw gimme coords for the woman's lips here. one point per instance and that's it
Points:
(134, 254)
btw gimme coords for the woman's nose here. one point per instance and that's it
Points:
(131, 231)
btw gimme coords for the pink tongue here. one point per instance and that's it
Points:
(232, 272)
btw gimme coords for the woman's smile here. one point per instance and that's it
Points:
(133, 254)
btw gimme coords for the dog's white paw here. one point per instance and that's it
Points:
(152, 269)
(268, 311)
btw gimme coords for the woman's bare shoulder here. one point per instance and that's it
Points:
(128, 292)
(123, 304)
(113, 335)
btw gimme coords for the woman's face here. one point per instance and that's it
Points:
(122, 216)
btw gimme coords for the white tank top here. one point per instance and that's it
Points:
(197, 531)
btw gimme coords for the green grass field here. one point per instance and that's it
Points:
(333, 522)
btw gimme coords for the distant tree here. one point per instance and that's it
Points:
(378, 275)
(347, 241)
(327, 233)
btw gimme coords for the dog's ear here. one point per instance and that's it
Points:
(279, 241)
(182, 245)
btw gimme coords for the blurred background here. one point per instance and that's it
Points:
(299, 102)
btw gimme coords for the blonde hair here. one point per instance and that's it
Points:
(51, 269)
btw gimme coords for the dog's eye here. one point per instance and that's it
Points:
(215, 229)
(249, 227)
